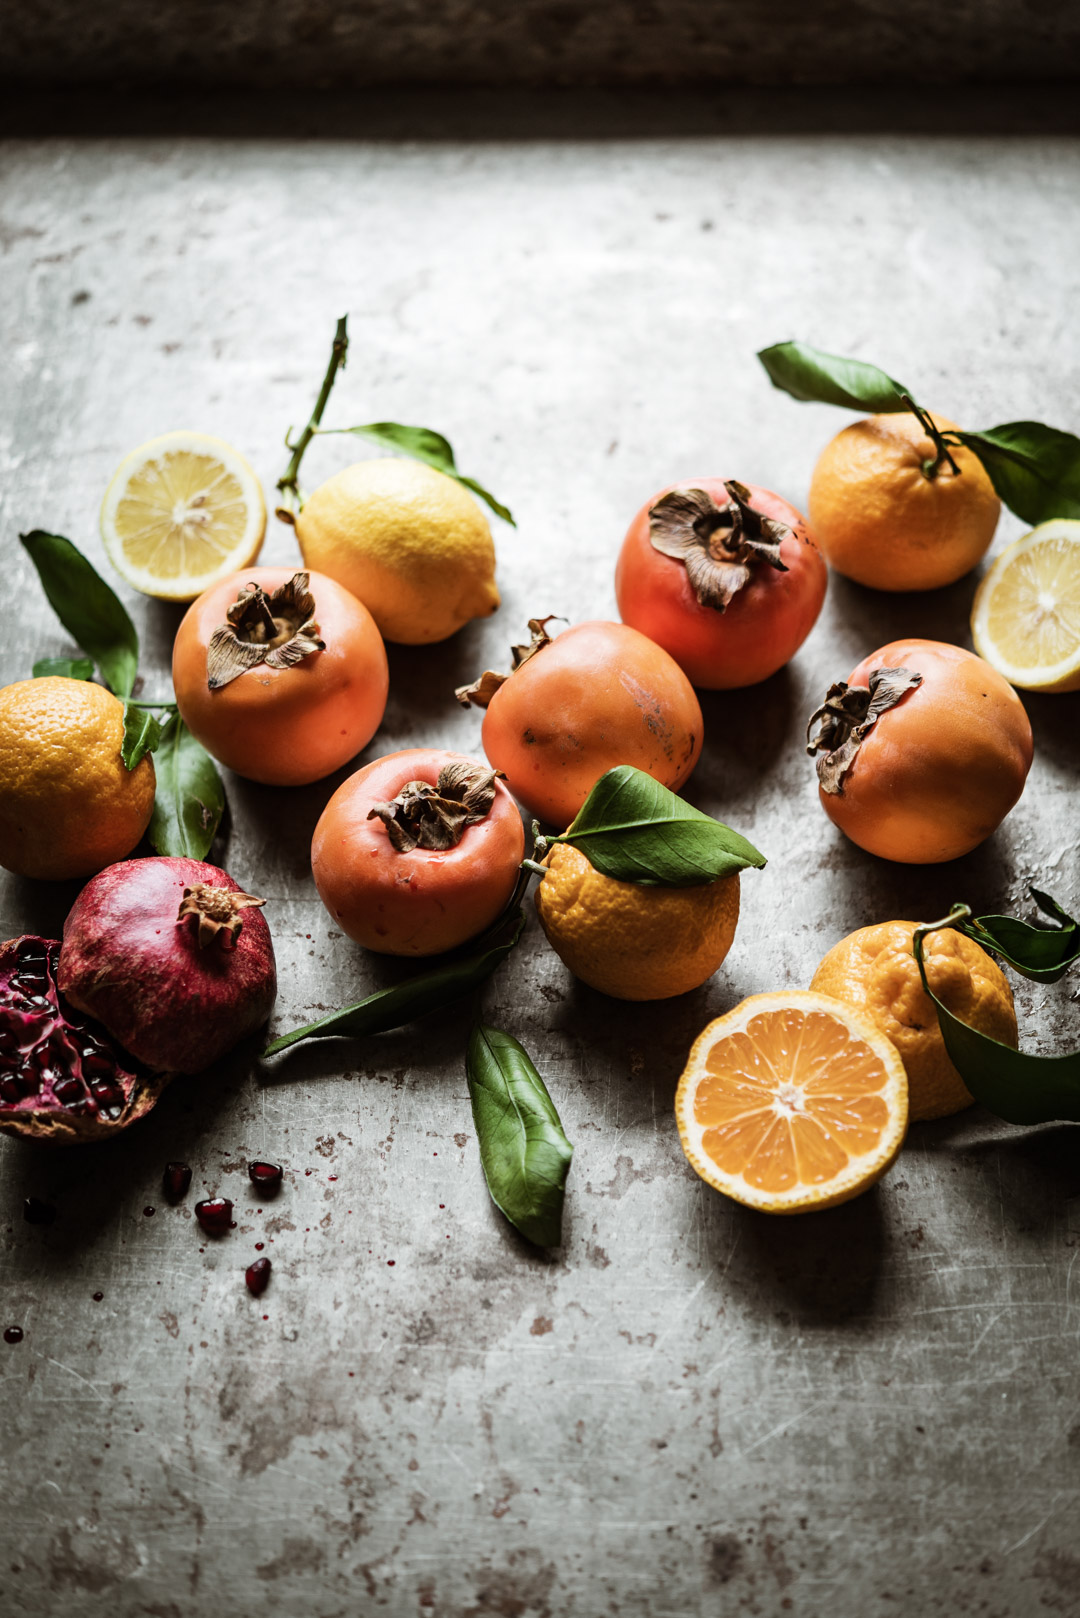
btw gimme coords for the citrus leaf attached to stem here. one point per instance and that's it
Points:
(142, 734)
(1035, 470)
(524, 1151)
(809, 373)
(68, 668)
(1019, 1087)
(91, 612)
(423, 444)
(633, 829)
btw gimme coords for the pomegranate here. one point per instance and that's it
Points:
(257, 1276)
(62, 1078)
(175, 1181)
(173, 957)
(214, 1215)
(266, 1177)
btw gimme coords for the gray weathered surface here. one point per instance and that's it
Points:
(690, 1408)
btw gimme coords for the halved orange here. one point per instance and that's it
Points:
(793, 1101)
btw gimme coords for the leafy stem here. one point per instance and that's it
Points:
(135, 702)
(534, 866)
(941, 444)
(288, 485)
(958, 914)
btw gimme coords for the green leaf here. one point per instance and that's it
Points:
(810, 373)
(1043, 954)
(422, 444)
(1035, 469)
(190, 798)
(68, 668)
(142, 734)
(633, 829)
(523, 1149)
(1018, 1087)
(419, 996)
(92, 613)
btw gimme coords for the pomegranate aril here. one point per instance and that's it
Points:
(106, 1094)
(68, 1091)
(267, 1176)
(96, 1065)
(10, 1090)
(257, 1275)
(176, 1179)
(13, 1334)
(28, 1078)
(214, 1215)
(36, 1212)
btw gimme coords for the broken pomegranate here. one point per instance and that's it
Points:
(173, 957)
(62, 1078)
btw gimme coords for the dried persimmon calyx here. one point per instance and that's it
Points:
(718, 545)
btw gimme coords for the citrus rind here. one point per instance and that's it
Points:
(861, 1169)
(182, 511)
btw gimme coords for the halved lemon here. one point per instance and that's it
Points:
(1025, 619)
(181, 512)
(793, 1101)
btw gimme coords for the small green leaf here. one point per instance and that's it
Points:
(142, 734)
(190, 798)
(633, 829)
(1018, 1087)
(422, 444)
(92, 613)
(523, 1149)
(419, 996)
(1035, 469)
(68, 668)
(810, 373)
(1043, 954)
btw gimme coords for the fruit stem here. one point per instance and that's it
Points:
(287, 485)
(930, 469)
(959, 913)
(134, 702)
(534, 865)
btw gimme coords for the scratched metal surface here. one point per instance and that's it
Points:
(689, 1408)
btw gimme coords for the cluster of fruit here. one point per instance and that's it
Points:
(794, 1099)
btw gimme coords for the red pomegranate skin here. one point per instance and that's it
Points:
(128, 961)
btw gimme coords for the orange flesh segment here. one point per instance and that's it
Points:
(790, 1099)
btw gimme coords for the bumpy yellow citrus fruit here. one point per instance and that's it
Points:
(408, 541)
(1026, 617)
(68, 806)
(882, 521)
(875, 970)
(792, 1102)
(181, 512)
(629, 940)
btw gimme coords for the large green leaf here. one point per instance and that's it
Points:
(523, 1149)
(190, 798)
(419, 996)
(633, 829)
(68, 668)
(1043, 954)
(810, 373)
(92, 613)
(1035, 469)
(423, 444)
(1021, 1088)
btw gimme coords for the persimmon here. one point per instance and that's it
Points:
(282, 676)
(576, 705)
(921, 752)
(723, 575)
(417, 852)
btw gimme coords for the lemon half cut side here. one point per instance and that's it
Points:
(1025, 620)
(181, 512)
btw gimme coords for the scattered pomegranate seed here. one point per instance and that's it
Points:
(98, 1296)
(149, 1212)
(13, 1334)
(214, 1215)
(267, 1176)
(175, 1180)
(257, 1275)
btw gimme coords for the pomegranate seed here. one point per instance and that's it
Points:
(36, 1212)
(257, 1275)
(267, 1176)
(214, 1215)
(10, 1090)
(176, 1179)
(13, 1334)
(68, 1091)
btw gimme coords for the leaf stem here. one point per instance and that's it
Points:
(931, 468)
(287, 485)
(534, 865)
